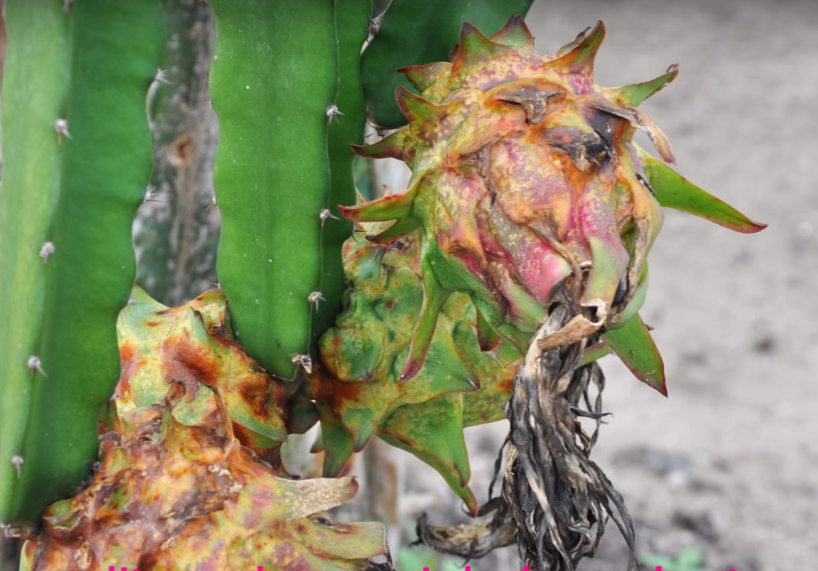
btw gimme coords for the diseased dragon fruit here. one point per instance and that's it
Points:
(172, 496)
(193, 344)
(355, 388)
(190, 476)
(525, 174)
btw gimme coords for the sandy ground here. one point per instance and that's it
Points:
(729, 462)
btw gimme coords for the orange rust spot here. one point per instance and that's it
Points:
(280, 395)
(189, 365)
(506, 385)
(219, 338)
(334, 391)
(29, 549)
(213, 418)
(127, 355)
(152, 323)
(254, 393)
(130, 362)
(244, 435)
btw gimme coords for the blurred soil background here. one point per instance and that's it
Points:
(727, 466)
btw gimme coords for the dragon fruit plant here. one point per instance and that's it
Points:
(488, 289)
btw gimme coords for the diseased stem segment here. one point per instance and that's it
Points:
(470, 541)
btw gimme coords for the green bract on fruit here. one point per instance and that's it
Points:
(525, 174)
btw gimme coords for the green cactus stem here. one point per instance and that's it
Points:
(77, 155)
(278, 81)
(345, 127)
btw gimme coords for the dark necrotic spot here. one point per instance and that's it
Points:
(621, 290)
(645, 183)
